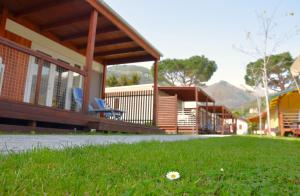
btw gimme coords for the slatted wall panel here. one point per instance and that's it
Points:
(167, 113)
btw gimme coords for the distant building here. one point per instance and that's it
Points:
(284, 113)
(241, 126)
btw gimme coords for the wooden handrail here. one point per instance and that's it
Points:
(44, 57)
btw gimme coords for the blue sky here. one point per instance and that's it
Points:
(183, 28)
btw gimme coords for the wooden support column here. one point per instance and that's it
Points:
(104, 70)
(215, 116)
(89, 59)
(206, 113)
(197, 111)
(38, 82)
(155, 93)
(280, 118)
(222, 121)
(4, 15)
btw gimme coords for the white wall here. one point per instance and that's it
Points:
(129, 88)
(242, 127)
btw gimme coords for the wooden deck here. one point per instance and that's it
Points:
(23, 117)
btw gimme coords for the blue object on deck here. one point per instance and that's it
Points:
(108, 112)
(78, 98)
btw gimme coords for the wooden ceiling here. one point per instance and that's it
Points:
(220, 110)
(67, 22)
(186, 93)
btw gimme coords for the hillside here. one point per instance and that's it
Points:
(229, 95)
(118, 70)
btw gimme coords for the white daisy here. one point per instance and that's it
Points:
(222, 170)
(173, 175)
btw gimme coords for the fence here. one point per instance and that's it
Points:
(36, 78)
(138, 105)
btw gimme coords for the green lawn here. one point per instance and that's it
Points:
(252, 166)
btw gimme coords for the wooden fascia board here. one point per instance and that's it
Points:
(108, 13)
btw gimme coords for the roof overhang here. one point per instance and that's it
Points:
(187, 93)
(67, 22)
(220, 110)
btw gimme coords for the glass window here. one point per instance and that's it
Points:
(1, 74)
(33, 79)
(44, 83)
(60, 87)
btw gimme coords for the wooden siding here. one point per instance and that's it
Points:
(167, 113)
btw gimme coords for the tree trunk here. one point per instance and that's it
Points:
(266, 91)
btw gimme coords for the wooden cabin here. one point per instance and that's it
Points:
(284, 113)
(48, 48)
(180, 110)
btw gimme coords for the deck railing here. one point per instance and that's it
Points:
(186, 118)
(291, 120)
(33, 77)
(138, 105)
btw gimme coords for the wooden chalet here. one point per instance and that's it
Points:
(284, 114)
(187, 110)
(180, 110)
(49, 47)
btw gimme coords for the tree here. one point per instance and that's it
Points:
(123, 80)
(193, 71)
(278, 72)
(112, 81)
(135, 79)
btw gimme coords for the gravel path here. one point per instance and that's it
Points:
(19, 143)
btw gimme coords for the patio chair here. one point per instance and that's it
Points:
(78, 98)
(108, 111)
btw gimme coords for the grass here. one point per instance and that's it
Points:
(252, 166)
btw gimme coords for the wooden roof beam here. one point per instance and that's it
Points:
(65, 22)
(110, 42)
(119, 51)
(85, 33)
(129, 60)
(42, 6)
(107, 12)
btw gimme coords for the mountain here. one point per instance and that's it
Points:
(119, 70)
(226, 94)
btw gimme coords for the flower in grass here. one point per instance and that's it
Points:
(173, 175)
(222, 170)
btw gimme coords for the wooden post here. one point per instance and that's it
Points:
(222, 121)
(155, 93)
(215, 116)
(206, 113)
(104, 70)
(197, 111)
(281, 127)
(38, 82)
(4, 15)
(89, 58)
(280, 118)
